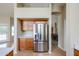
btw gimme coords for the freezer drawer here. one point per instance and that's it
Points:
(40, 46)
(35, 46)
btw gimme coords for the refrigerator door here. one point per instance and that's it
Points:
(40, 32)
(40, 37)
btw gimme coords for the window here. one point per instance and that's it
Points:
(3, 35)
(3, 45)
(12, 30)
(3, 32)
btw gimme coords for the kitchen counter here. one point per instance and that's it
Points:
(26, 36)
(4, 41)
(5, 51)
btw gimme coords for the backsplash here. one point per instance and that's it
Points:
(26, 34)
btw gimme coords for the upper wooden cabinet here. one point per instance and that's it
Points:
(27, 23)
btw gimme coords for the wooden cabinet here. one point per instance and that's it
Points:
(22, 44)
(27, 25)
(25, 43)
(29, 43)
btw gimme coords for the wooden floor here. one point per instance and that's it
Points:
(55, 52)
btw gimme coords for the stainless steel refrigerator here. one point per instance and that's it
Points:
(40, 37)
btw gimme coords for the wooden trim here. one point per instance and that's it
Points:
(33, 19)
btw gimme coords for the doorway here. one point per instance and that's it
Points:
(54, 33)
(57, 33)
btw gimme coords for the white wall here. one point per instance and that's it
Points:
(59, 18)
(6, 9)
(32, 12)
(4, 20)
(72, 28)
(60, 32)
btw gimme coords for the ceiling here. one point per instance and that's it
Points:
(6, 9)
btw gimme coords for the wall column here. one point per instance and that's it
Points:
(72, 27)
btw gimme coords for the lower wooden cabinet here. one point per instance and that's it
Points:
(25, 43)
(22, 44)
(29, 44)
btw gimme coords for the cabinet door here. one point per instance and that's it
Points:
(27, 25)
(29, 44)
(22, 44)
(26, 44)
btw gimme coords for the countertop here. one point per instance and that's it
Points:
(4, 41)
(5, 51)
(25, 36)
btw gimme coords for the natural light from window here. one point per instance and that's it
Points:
(3, 35)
